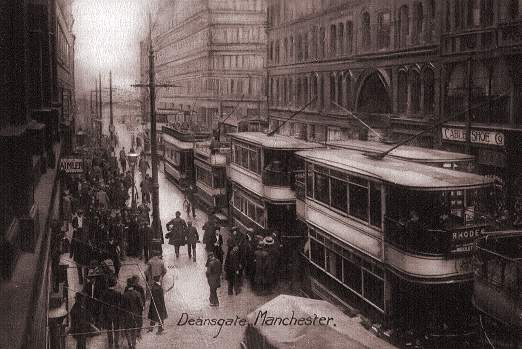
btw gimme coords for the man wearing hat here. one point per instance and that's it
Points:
(271, 261)
(177, 232)
(213, 274)
(192, 239)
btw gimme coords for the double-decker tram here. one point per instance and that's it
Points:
(393, 238)
(432, 157)
(261, 173)
(178, 147)
(210, 161)
(497, 290)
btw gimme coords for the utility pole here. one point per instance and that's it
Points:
(101, 105)
(111, 125)
(156, 222)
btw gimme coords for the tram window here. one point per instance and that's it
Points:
(339, 194)
(322, 188)
(352, 275)
(252, 161)
(317, 253)
(358, 201)
(334, 264)
(373, 289)
(260, 215)
(309, 181)
(375, 204)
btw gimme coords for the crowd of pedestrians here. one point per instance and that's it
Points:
(106, 230)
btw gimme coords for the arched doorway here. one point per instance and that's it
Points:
(373, 96)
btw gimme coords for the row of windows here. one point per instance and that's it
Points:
(416, 91)
(178, 48)
(224, 87)
(172, 155)
(246, 157)
(214, 179)
(249, 208)
(352, 196)
(462, 14)
(238, 35)
(360, 275)
(339, 36)
(250, 62)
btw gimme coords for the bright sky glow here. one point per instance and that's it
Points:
(108, 33)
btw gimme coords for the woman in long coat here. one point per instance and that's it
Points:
(157, 308)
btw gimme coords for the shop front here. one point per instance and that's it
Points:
(498, 153)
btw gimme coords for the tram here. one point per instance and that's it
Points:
(261, 173)
(178, 153)
(497, 290)
(210, 161)
(393, 239)
(432, 157)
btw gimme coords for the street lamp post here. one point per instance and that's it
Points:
(132, 158)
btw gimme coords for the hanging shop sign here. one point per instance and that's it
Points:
(476, 136)
(71, 165)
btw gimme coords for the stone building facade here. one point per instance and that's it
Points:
(448, 68)
(36, 124)
(214, 51)
(376, 59)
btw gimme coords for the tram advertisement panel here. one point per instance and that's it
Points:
(462, 238)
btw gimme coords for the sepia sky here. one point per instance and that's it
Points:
(107, 38)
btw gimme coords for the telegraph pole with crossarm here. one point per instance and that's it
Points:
(156, 222)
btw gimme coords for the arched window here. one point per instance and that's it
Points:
(404, 25)
(486, 12)
(417, 22)
(348, 102)
(277, 52)
(429, 91)
(471, 19)
(383, 30)
(305, 47)
(341, 38)
(314, 42)
(298, 90)
(349, 37)
(285, 46)
(305, 90)
(278, 95)
(299, 48)
(291, 48)
(291, 92)
(514, 9)
(285, 91)
(415, 90)
(333, 89)
(402, 91)
(366, 31)
(314, 90)
(340, 89)
(321, 92)
(322, 42)
(333, 40)
(373, 89)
